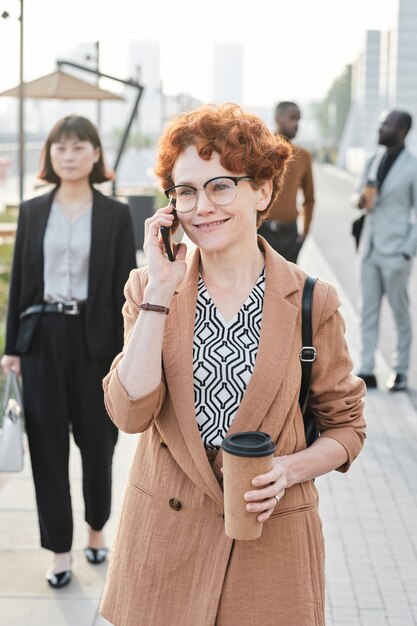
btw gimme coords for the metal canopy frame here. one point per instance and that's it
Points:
(129, 83)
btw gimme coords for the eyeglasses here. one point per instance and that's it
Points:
(221, 190)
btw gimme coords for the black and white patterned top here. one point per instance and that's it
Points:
(224, 356)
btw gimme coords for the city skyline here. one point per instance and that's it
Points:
(289, 52)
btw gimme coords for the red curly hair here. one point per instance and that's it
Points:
(243, 141)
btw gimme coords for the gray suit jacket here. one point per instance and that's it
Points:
(391, 227)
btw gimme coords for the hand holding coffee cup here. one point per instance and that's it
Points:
(368, 195)
(245, 456)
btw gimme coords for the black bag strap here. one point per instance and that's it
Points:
(308, 352)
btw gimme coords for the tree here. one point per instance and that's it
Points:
(332, 111)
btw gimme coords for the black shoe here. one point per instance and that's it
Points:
(96, 556)
(397, 382)
(369, 380)
(58, 580)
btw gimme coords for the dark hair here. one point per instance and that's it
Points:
(242, 140)
(404, 120)
(284, 105)
(82, 129)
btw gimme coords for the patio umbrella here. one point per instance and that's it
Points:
(61, 86)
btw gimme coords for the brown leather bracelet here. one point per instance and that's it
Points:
(145, 306)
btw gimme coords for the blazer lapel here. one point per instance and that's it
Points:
(38, 224)
(278, 329)
(178, 366)
(279, 323)
(100, 230)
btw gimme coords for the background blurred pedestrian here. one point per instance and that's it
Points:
(387, 246)
(74, 250)
(281, 229)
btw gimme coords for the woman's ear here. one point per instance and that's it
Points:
(265, 193)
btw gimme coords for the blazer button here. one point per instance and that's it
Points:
(163, 445)
(175, 504)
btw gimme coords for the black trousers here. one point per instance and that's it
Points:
(62, 390)
(282, 238)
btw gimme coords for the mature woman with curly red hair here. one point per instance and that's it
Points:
(212, 343)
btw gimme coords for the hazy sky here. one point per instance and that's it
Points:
(293, 49)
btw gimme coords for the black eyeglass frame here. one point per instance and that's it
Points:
(235, 179)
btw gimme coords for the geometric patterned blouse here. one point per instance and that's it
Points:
(224, 356)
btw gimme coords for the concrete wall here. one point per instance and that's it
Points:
(384, 77)
(404, 59)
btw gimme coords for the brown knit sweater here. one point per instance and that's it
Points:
(299, 176)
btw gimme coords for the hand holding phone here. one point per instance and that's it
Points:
(166, 238)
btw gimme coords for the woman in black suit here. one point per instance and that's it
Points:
(73, 254)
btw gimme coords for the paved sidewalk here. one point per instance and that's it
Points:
(369, 517)
(25, 597)
(370, 514)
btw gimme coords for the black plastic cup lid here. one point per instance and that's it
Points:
(251, 444)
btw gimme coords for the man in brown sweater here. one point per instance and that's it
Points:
(280, 230)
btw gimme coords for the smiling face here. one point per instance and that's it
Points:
(214, 228)
(73, 159)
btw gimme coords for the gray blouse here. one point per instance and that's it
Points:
(66, 249)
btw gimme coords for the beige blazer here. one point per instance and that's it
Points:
(172, 563)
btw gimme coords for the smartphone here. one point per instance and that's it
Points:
(166, 238)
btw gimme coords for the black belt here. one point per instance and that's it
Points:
(69, 308)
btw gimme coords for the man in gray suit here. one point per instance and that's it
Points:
(388, 244)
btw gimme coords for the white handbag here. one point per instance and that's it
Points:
(11, 434)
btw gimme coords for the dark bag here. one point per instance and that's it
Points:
(307, 357)
(357, 226)
(27, 329)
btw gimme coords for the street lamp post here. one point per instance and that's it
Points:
(98, 83)
(21, 126)
(96, 59)
(21, 110)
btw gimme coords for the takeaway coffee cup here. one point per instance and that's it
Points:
(245, 455)
(370, 191)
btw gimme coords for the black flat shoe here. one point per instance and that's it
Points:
(96, 556)
(58, 580)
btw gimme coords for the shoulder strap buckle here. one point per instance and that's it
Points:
(308, 354)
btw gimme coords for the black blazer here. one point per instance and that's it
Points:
(112, 256)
